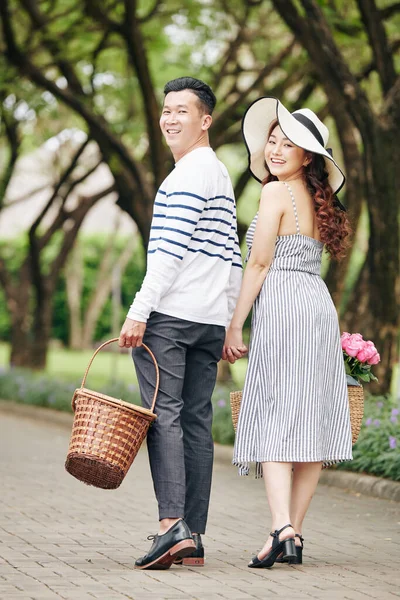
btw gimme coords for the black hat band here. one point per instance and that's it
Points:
(310, 126)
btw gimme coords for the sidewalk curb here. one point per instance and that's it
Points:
(37, 413)
(346, 480)
(369, 485)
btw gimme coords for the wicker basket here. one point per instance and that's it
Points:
(236, 399)
(356, 405)
(106, 433)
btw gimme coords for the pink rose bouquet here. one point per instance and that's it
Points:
(359, 356)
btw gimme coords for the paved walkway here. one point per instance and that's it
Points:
(62, 539)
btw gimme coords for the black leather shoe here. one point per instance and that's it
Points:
(167, 546)
(285, 547)
(196, 558)
(299, 551)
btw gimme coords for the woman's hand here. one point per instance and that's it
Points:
(234, 347)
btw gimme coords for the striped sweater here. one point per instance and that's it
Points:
(194, 263)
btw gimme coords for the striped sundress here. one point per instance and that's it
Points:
(294, 406)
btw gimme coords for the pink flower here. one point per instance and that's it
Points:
(366, 352)
(375, 359)
(345, 336)
(353, 344)
(357, 354)
(362, 356)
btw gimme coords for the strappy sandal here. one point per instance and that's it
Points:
(285, 547)
(299, 551)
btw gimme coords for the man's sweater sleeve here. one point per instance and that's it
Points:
(235, 279)
(180, 209)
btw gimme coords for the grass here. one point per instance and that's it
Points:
(67, 365)
(107, 367)
(4, 354)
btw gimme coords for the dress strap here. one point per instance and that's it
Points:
(294, 206)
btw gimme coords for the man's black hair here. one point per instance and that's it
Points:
(201, 89)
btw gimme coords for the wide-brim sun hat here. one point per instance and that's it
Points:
(302, 127)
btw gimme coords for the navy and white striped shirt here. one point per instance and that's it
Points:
(194, 263)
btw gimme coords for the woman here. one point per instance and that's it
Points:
(294, 415)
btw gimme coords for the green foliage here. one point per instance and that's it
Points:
(69, 365)
(92, 249)
(358, 370)
(5, 329)
(179, 38)
(13, 253)
(377, 450)
(356, 259)
(223, 432)
(25, 387)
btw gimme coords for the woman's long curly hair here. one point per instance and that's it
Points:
(333, 224)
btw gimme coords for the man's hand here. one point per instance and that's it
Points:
(234, 347)
(132, 333)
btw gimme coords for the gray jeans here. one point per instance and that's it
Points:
(179, 442)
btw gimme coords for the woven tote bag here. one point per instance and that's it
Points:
(356, 405)
(106, 433)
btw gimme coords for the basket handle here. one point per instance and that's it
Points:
(146, 348)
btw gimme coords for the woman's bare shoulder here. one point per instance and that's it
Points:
(274, 192)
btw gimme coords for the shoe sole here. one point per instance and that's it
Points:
(191, 561)
(165, 560)
(289, 561)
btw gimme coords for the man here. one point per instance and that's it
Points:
(181, 311)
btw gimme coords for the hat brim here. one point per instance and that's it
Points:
(255, 127)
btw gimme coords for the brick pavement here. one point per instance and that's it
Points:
(62, 539)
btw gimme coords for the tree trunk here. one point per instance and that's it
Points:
(29, 349)
(20, 344)
(383, 159)
(103, 289)
(73, 284)
(355, 185)
(42, 329)
(18, 301)
(373, 309)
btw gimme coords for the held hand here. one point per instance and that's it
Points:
(132, 333)
(234, 347)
